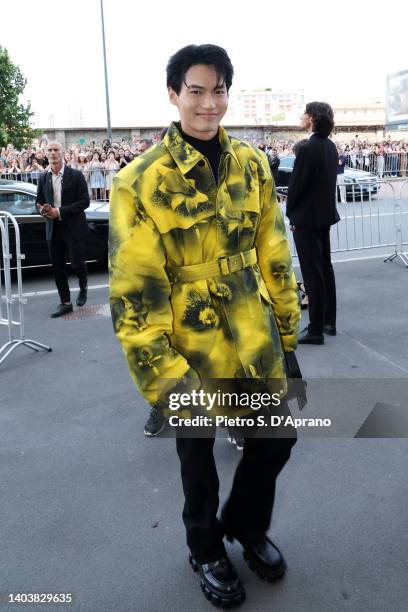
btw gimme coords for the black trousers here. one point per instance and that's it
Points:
(60, 247)
(313, 249)
(248, 510)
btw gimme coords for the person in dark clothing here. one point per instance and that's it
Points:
(274, 162)
(311, 209)
(304, 300)
(340, 175)
(62, 197)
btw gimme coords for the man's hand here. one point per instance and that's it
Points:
(44, 209)
(52, 213)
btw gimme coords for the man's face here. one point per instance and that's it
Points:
(306, 122)
(54, 154)
(202, 101)
(143, 146)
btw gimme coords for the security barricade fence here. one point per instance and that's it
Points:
(373, 211)
(14, 324)
(375, 217)
(400, 224)
(391, 165)
(99, 181)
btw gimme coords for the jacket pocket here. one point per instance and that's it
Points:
(176, 203)
(242, 190)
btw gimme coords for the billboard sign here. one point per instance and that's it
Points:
(396, 101)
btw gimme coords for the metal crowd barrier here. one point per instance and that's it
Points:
(399, 252)
(7, 223)
(370, 218)
(99, 181)
(389, 165)
(393, 165)
(373, 214)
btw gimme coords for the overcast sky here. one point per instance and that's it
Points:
(335, 51)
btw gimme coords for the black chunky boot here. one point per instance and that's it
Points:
(220, 582)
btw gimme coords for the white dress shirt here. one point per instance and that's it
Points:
(57, 187)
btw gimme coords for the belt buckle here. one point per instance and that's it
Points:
(224, 266)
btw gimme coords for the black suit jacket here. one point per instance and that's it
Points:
(311, 198)
(74, 200)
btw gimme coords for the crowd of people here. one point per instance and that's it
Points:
(384, 158)
(100, 161)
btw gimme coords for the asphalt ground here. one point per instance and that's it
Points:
(89, 506)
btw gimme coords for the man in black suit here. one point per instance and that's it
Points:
(274, 162)
(311, 209)
(62, 197)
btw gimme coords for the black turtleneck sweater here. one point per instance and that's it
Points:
(211, 149)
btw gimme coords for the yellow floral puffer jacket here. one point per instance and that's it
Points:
(167, 211)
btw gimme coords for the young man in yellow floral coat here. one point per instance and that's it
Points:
(202, 288)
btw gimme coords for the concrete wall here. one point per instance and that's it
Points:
(72, 136)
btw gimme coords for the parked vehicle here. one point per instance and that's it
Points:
(18, 198)
(357, 182)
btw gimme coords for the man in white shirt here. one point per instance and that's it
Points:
(62, 197)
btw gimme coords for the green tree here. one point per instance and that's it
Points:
(14, 117)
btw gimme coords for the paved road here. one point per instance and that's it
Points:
(90, 506)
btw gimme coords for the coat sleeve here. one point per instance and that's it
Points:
(40, 199)
(275, 263)
(69, 210)
(299, 180)
(140, 299)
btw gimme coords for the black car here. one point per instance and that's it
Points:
(18, 198)
(357, 182)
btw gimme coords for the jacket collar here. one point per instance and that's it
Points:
(66, 174)
(316, 135)
(185, 156)
(61, 172)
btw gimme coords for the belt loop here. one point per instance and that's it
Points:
(224, 267)
(242, 256)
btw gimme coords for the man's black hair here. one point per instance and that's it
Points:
(210, 55)
(322, 116)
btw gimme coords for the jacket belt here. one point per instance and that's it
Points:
(223, 266)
